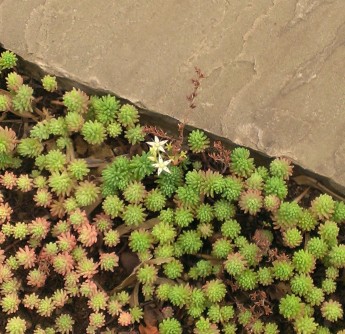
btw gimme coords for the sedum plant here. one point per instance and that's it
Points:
(49, 83)
(7, 60)
(198, 141)
(16, 325)
(22, 99)
(103, 213)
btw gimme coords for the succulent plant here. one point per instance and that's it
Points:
(198, 141)
(7, 60)
(332, 310)
(23, 98)
(93, 132)
(241, 163)
(251, 201)
(5, 103)
(76, 101)
(305, 325)
(128, 116)
(16, 325)
(64, 324)
(276, 186)
(323, 206)
(106, 108)
(49, 83)
(292, 237)
(114, 129)
(170, 326)
(13, 81)
(281, 168)
(290, 306)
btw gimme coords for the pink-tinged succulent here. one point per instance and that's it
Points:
(2, 256)
(78, 218)
(5, 212)
(57, 208)
(251, 201)
(36, 277)
(167, 312)
(114, 307)
(102, 222)
(88, 288)
(44, 266)
(62, 226)
(125, 319)
(96, 320)
(5, 273)
(66, 241)
(10, 303)
(87, 268)
(60, 297)
(63, 263)
(108, 261)
(2, 238)
(39, 227)
(31, 301)
(48, 252)
(8, 180)
(24, 183)
(271, 203)
(87, 235)
(13, 81)
(8, 140)
(26, 257)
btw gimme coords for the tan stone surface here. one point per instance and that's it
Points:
(275, 68)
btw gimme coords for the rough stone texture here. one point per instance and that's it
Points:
(275, 68)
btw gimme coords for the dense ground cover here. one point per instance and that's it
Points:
(111, 226)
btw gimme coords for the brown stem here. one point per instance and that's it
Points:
(300, 196)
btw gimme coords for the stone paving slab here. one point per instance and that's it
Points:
(275, 74)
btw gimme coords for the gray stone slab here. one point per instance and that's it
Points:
(275, 73)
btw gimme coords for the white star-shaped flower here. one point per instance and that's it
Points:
(162, 165)
(157, 145)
